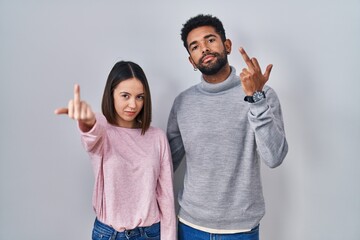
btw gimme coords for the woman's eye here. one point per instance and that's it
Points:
(141, 97)
(125, 96)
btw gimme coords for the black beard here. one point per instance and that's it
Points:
(214, 68)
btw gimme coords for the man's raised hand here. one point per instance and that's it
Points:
(252, 78)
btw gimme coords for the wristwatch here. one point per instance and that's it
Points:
(257, 96)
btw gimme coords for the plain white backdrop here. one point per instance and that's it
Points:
(46, 179)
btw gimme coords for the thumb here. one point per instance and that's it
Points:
(61, 111)
(267, 71)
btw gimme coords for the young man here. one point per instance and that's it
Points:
(225, 126)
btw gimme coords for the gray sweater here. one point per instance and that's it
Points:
(224, 139)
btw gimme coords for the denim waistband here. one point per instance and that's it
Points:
(106, 229)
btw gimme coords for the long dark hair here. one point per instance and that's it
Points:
(121, 71)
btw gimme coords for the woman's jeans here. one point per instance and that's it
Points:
(188, 233)
(102, 231)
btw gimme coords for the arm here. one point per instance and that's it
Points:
(93, 139)
(265, 116)
(175, 140)
(165, 194)
(266, 120)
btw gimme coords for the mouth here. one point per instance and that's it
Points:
(208, 58)
(130, 113)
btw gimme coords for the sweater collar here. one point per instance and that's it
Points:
(229, 83)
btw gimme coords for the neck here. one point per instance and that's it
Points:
(220, 76)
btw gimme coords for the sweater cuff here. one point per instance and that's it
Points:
(94, 130)
(258, 108)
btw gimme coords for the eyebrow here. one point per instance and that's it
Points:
(206, 37)
(130, 93)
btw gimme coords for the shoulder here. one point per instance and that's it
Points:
(102, 122)
(191, 91)
(100, 118)
(187, 92)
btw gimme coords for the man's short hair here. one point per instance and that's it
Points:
(200, 21)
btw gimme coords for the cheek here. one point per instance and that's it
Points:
(118, 105)
(117, 109)
(140, 105)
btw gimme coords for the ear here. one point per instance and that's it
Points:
(192, 62)
(228, 45)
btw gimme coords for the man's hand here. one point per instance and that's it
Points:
(252, 78)
(79, 110)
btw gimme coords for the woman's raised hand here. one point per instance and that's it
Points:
(79, 110)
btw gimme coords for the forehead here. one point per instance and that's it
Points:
(130, 85)
(200, 33)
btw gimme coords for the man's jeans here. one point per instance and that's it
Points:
(189, 233)
(102, 231)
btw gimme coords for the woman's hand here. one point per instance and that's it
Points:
(79, 110)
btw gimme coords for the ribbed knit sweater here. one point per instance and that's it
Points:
(224, 139)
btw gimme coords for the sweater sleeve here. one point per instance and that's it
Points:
(174, 136)
(266, 120)
(93, 139)
(165, 194)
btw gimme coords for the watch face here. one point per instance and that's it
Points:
(258, 96)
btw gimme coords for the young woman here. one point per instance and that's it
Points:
(133, 193)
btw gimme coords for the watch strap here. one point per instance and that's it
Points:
(257, 96)
(249, 99)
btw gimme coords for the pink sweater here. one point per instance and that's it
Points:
(133, 177)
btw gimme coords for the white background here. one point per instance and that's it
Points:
(46, 179)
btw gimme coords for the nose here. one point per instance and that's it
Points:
(204, 47)
(132, 103)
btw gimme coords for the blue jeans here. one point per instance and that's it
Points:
(102, 231)
(188, 233)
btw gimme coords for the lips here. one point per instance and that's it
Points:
(130, 113)
(207, 58)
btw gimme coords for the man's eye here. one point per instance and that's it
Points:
(212, 40)
(194, 48)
